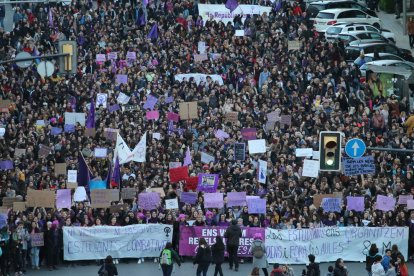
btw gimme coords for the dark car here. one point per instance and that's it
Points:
(315, 7)
(355, 47)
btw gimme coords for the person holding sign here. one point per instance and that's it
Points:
(34, 252)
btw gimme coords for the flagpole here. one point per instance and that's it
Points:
(84, 160)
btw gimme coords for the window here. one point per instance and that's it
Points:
(359, 14)
(351, 29)
(359, 28)
(403, 65)
(346, 14)
(363, 36)
(375, 36)
(325, 15)
(392, 50)
(372, 29)
(334, 30)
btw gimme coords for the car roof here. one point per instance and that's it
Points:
(344, 24)
(358, 43)
(331, 1)
(384, 62)
(360, 32)
(339, 10)
(381, 55)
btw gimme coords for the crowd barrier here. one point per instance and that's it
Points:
(282, 246)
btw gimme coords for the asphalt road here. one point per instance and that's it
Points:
(187, 269)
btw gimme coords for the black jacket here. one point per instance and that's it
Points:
(233, 235)
(110, 268)
(218, 253)
(340, 271)
(203, 255)
(313, 270)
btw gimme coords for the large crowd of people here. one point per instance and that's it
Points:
(314, 85)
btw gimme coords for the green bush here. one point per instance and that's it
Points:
(387, 5)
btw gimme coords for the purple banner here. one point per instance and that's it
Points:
(6, 165)
(189, 237)
(207, 182)
(188, 197)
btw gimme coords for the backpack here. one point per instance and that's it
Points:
(103, 271)
(166, 257)
(258, 251)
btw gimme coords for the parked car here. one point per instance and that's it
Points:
(381, 56)
(316, 6)
(355, 47)
(327, 18)
(363, 37)
(338, 28)
(394, 63)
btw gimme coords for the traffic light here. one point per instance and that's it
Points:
(330, 151)
(68, 63)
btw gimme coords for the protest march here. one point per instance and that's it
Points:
(185, 119)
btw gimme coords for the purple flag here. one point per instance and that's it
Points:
(84, 175)
(91, 118)
(50, 18)
(187, 158)
(153, 34)
(232, 5)
(56, 131)
(116, 176)
(278, 6)
(63, 198)
(6, 165)
(151, 102)
(113, 108)
(70, 128)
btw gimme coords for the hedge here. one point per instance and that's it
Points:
(387, 5)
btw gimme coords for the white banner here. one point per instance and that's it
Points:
(330, 243)
(133, 241)
(221, 13)
(198, 78)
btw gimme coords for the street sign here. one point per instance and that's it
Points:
(45, 69)
(355, 148)
(23, 63)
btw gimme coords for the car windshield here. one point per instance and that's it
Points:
(334, 30)
(325, 15)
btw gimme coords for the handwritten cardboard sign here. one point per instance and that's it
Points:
(41, 198)
(128, 193)
(188, 110)
(37, 239)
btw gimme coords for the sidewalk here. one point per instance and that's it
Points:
(395, 25)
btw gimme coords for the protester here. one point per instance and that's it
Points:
(203, 257)
(386, 260)
(217, 251)
(167, 258)
(277, 270)
(370, 259)
(108, 267)
(312, 268)
(259, 253)
(233, 235)
(401, 266)
(340, 268)
(377, 268)
(330, 271)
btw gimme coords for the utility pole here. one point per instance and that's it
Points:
(404, 3)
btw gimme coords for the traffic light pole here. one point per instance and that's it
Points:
(392, 150)
(33, 58)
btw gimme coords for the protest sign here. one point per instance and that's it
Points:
(262, 171)
(188, 197)
(178, 174)
(402, 199)
(44, 150)
(355, 203)
(236, 199)
(200, 57)
(207, 182)
(37, 239)
(113, 108)
(316, 155)
(121, 79)
(248, 133)
(317, 199)
(19, 152)
(199, 78)
(221, 135)
(100, 58)
(213, 200)
(303, 152)
(122, 98)
(286, 120)
(56, 131)
(310, 168)
(19, 206)
(4, 105)
(358, 166)
(60, 169)
(90, 132)
(148, 201)
(118, 208)
(112, 195)
(9, 201)
(240, 151)
(239, 33)
(110, 133)
(410, 204)
(72, 176)
(293, 246)
(63, 198)
(68, 128)
(191, 183)
(331, 204)
(207, 158)
(293, 45)
(97, 185)
(173, 165)
(112, 56)
(257, 146)
(6, 165)
(188, 110)
(80, 194)
(385, 203)
(160, 191)
(151, 102)
(153, 115)
(100, 152)
(128, 193)
(171, 203)
(99, 199)
(256, 205)
(131, 55)
(201, 47)
(40, 198)
(189, 237)
(71, 118)
(133, 241)
(156, 135)
(101, 100)
(71, 185)
(171, 116)
(231, 117)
